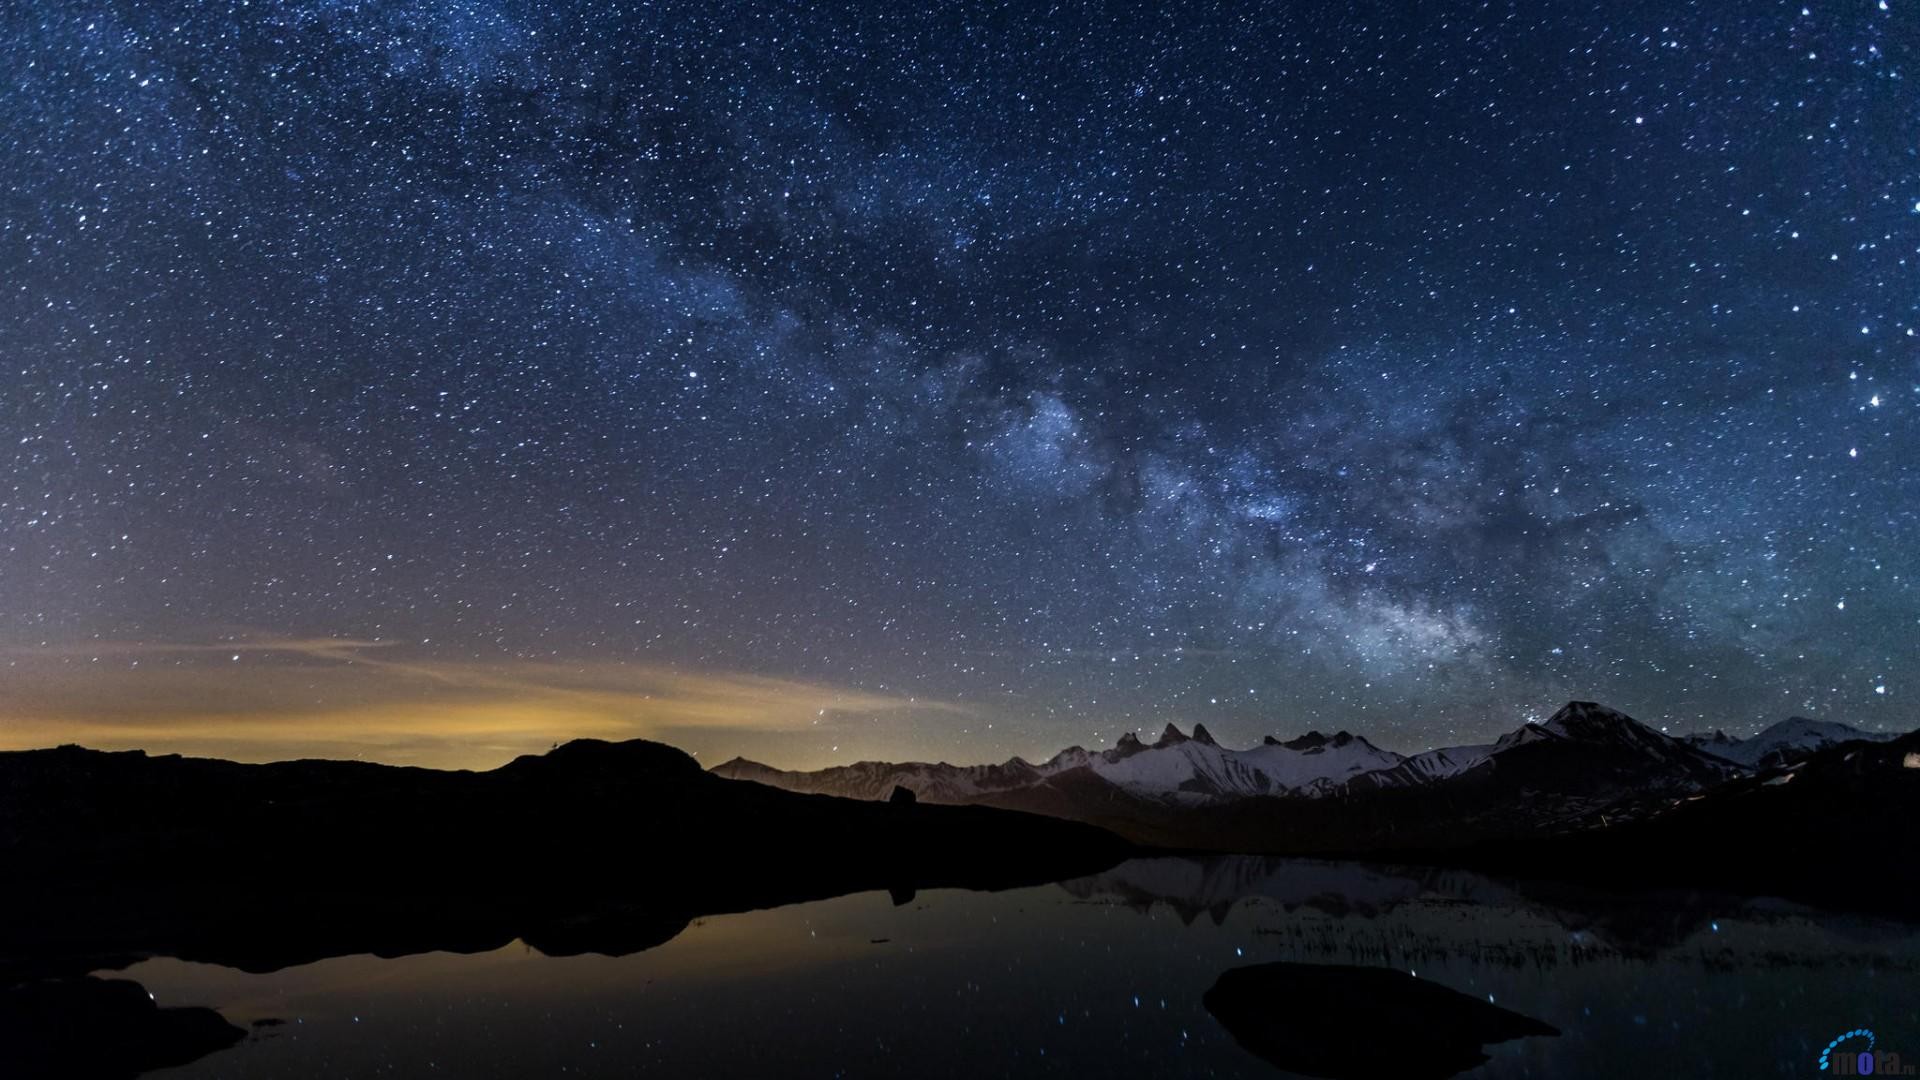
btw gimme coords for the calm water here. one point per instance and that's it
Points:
(1099, 976)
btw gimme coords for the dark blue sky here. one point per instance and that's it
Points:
(1407, 368)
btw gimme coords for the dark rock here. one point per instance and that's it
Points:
(1128, 746)
(101, 1028)
(1338, 1021)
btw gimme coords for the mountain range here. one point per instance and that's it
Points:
(1831, 827)
(613, 847)
(1782, 744)
(1587, 764)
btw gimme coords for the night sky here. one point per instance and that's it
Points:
(431, 381)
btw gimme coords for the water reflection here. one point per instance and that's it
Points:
(1108, 974)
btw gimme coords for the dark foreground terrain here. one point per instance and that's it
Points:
(608, 848)
(1834, 830)
(112, 856)
(615, 848)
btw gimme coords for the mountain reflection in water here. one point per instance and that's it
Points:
(1108, 974)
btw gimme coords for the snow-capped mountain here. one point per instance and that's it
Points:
(1586, 765)
(1593, 725)
(1177, 768)
(1582, 740)
(1784, 743)
(1186, 770)
(1197, 769)
(1588, 745)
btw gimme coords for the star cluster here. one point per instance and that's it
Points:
(1400, 367)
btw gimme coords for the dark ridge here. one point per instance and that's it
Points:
(604, 847)
(1785, 832)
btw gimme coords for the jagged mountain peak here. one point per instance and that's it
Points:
(1584, 746)
(1314, 742)
(1076, 753)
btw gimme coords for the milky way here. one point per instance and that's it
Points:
(1407, 368)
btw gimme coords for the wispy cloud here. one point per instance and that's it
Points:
(278, 698)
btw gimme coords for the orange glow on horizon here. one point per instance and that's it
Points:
(275, 700)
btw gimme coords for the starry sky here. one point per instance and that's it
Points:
(434, 380)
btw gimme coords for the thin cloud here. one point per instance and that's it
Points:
(269, 699)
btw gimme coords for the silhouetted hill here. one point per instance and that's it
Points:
(595, 843)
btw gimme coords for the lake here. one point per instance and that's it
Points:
(1109, 975)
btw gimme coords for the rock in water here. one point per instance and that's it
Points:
(1340, 1021)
